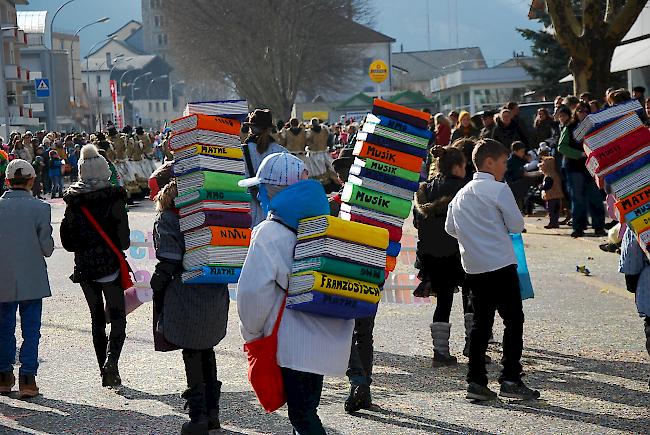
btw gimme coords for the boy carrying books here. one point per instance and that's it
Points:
(480, 217)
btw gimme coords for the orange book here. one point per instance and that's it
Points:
(401, 109)
(386, 155)
(391, 263)
(632, 202)
(217, 236)
(206, 122)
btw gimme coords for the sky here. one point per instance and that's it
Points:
(488, 24)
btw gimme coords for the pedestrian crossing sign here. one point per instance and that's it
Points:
(42, 87)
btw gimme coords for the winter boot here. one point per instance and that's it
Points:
(358, 399)
(212, 389)
(110, 373)
(469, 322)
(195, 404)
(440, 334)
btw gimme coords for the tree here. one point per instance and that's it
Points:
(552, 60)
(591, 35)
(270, 50)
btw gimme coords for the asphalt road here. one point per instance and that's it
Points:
(584, 349)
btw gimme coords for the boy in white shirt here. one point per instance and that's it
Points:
(480, 216)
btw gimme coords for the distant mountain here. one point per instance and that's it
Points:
(81, 12)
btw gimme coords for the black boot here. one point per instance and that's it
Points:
(358, 399)
(212, 388)
(110, 373)
(198, 424)
(100, 342)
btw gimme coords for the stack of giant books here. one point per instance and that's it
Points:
(617, 145)
(338, 268)
(390, 150)
(214, 211)
(235, 109)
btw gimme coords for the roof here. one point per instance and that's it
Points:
(32, 21)
(117, 41)
(125, 25)
(359, 34)
(134, 62)
(518, 61)
(357, 100)
(407, 98)
(423, 65)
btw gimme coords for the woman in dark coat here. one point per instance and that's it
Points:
(194, 316)
(96, 266)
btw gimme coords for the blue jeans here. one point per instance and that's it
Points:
(30, 323)
(361, 355)
(57, 185)
(585, 198)
(303, 397)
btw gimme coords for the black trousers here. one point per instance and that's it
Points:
(361, 354)
(303, 397)
(647, 334)
(492, 292)
(200, 367)
(95, 293)
(445, 300)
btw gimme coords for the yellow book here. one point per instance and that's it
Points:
(335, 285)
(337, 228)
(640, 223)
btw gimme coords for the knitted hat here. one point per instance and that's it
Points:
(93, 166)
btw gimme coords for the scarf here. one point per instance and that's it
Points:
(90, 185)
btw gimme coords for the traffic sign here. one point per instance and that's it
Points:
(378, 71)
(42, 88)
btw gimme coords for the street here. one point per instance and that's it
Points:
(584, 349)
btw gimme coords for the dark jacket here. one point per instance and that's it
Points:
(544, 130)
(515, 169)
(430, 213)
(461, 132)
(506, 135)
(92, 257)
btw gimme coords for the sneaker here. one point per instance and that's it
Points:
(518, 390)
(577, 234)
(600, 233)
(480, 393)
(608, 247)
(552, 226)
(7, 382)
(27, 386)
(358, 399)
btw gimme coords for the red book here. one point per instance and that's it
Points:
(600, 159)
(394, 233)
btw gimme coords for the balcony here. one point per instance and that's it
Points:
(21, 37)
(18, 36)
(35, 107)
(33, 75)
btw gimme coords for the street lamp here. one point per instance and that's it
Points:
(147, 74)
(52, 99)
(103, 41)
(74, 91)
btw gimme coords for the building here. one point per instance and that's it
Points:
(412, 70)
(14, 115)
(66, 111)
(154, 22)
(478, 89)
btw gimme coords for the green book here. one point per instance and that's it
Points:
(209, 180)
(383, 168)
(333, 266)
(211, 195)
(373, 200)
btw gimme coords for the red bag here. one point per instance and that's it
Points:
(125, 270)
(263, 370)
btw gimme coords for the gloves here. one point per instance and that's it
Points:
(632, 282)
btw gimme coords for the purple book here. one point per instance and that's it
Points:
(215, 218)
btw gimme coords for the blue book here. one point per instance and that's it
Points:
(418, 122)
(327, 305)
(627, 170)
(398, 125)
(385, 178)
(391, 144)
(394, 248)
(212, 275)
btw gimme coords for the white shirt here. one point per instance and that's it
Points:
(480, 216)
(306, 342)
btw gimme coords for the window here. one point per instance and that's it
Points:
(157, 107)
(99, 93)
(160, 39)
(164, 107)
(99, 78)
(156, 21)
(150, 107)
(152, 4)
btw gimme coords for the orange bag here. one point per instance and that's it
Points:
(264, 373)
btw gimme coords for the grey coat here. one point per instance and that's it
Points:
(194, 316)
(25, 239)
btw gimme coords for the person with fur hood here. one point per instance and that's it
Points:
(551, 191)
(96, 266)
(438, 253)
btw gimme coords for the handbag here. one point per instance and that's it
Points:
(525, 284)
(263, 370)
(125, 270)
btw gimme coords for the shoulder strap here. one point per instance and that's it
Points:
(276, 327)
(102, 233)
(247, 157)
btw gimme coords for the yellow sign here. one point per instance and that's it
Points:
(323, 116)
(378, 71)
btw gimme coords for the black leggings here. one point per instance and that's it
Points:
(444, 301)
(95, 293)
(200, 366)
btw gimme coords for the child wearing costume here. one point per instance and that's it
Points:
(192, 317)
(309, 346)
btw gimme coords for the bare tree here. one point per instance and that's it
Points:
(270, 50)
(590, 30)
